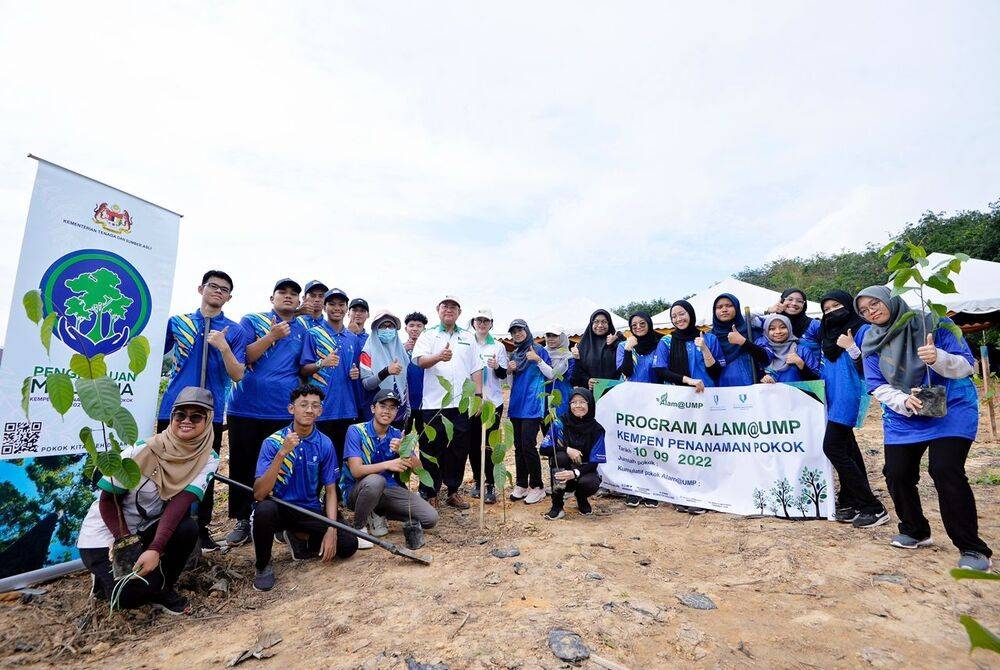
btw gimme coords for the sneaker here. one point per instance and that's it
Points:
(632, 501)
(584, 507)
(362, 542)
(491, 496)
(554, 513)
(205, 541)
(279, 536)
(457, 501)
(845, 514)
(172, 603)
(907, 542)
(697, 511)
(378, 524)
(683, 509)
(518, 493)
(264, 579)
(474, 493)
(534, 496)
(869, 520)
(299, 547)
(973, 560)
(649, 502)
(239, 535)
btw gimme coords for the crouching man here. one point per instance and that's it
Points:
(295, 463)
(368, 483)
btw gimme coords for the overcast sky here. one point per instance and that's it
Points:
(513, 155)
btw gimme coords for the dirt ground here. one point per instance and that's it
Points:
(789, 595)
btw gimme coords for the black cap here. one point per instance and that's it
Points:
(359, 302)
(315, 283)
(286, 282)
(387, 394)
(334, 293)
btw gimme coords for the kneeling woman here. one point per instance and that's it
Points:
(176, 465)
(900, 355)
(576, 442)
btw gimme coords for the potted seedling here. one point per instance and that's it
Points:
(910, 270)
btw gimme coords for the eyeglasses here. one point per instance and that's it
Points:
(795, 301)
(875, 306)
(193, 417)
(212, 286)
(309, 405)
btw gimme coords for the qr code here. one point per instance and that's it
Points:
(20, 436)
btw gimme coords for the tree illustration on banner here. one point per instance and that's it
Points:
(813, 487)
(783, 494)
(98, 304)
(759, 500)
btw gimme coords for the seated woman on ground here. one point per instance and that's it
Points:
(576, 444)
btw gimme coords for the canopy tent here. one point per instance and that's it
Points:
(757, 298)
(976, 306)
(573, 315)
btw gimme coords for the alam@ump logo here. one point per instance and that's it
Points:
(100, 298)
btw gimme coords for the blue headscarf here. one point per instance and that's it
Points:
(721, 329)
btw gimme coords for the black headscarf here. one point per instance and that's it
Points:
(801, 320)
(581, 433)
(721, 329)
(679, 338)
(837, 323)
(647, 343)
(597, 356)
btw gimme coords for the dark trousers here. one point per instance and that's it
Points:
(527, 463)
(207, 502)
(269, 517)
(947, 469)
(245, 437)
(450, 467)
(336, 430)
(582, 487)
(475, 435)
(136, 593)
(841, 447)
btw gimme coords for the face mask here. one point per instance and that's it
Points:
(387, 335)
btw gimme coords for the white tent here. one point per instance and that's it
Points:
(978, 287)
(757, 298)
(573, 315)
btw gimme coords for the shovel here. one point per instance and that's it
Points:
(388, 546)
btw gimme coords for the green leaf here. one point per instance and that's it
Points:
(953, 329)
(475, 405)
(463, 404)
(59, 386)
(427, 457)
(116, 446)
(979, 636)
(138, 353)
(893, 264)
(965, 573)
(917, 252)
(130, 474)
(87, 437)
(110, 464)
(901, 321)
(941, 284)
(500, 474)
(468, 388)
(556, 398)
(430, 432)
(408, 444)
(494, 440)
(46, 333)
(962, 257)
(89, 466)
(124, 424)
(99, 397)
(449, 428)
(25, 395)
(508, 433)
(445, 383)
(424, 477)
(404, 477)
(32, 302)
(88, 368)
(489, 414)
(497, 456)
(900, 278)
(887, 248)
(446, 400)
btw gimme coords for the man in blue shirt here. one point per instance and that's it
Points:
(295, 463)
(329, 359)
(259, 407)
(208, 350)
(368, 482)
(311, 311)
(415, 323)
(357, 316)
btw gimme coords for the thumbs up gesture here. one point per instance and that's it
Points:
(735, 337)
(446, 353)
(279, 329)
(928, 352)
(395, 367)
(533, 356)
(217, 339)
(846, 340)
(355, 372)
(331, 360)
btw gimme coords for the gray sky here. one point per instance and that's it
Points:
(514, 155)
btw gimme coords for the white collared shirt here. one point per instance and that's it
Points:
(461, 366)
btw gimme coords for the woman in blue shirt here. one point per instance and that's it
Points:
(793, 304)
(530, 366)
(840, 333)
(739, 354)
(789, 360)
(634, 358)
(900, 356)
(686, 357)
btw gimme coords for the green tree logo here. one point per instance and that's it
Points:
(98, 304)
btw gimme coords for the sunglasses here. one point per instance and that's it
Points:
(193, 417)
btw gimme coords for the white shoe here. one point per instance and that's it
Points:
(518, 493)
(534, 496)
(378, 524)
(362, 542)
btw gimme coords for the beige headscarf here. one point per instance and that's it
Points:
(172, 463)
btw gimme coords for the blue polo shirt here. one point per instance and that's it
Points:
(362, 442)
(527, 399)
(361, 397)
(642, 364)
(340, 401)
(308, 321)
(305, 472)
(846, 395)
(185, 339)
(414, 385)
(263, 392)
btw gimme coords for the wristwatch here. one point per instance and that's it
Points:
(576, 473)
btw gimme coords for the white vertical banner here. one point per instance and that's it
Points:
(744, 450)
(103, 262)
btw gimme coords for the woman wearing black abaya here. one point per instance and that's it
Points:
(597, 351)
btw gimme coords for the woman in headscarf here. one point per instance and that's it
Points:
(153, 519)
(739, 353)
(491, 355)
(576, 444)
(563, 363)
(686, 357)
(634, 357)
(789, 360)
(840, 333)
(793, 305)
(597, 351)
(384, 363)
(530, 366)
(902, 353)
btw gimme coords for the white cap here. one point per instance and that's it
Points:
(555, 329)
(451, 298)
(482, 313)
